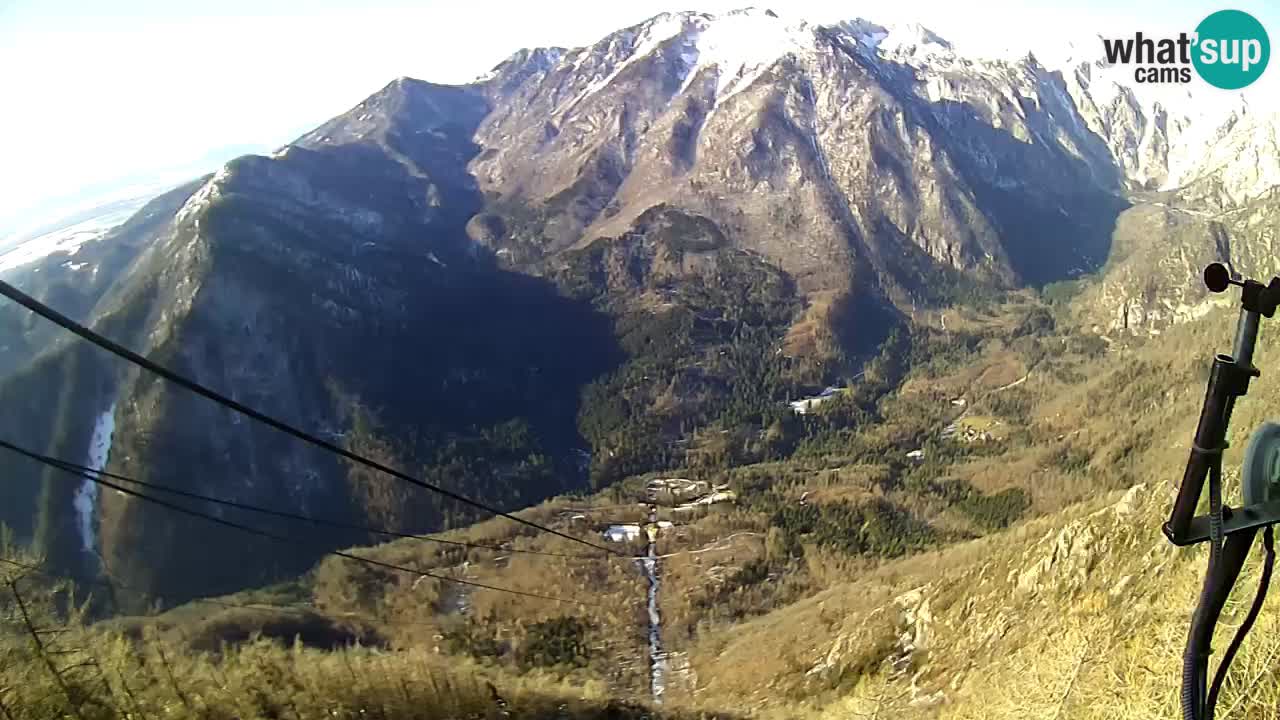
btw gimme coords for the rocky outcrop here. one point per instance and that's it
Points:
(1153, 277)
(974, 616)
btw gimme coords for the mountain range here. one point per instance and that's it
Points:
(634, 252)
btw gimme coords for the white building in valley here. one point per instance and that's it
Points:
(622, 533)
(805, 406)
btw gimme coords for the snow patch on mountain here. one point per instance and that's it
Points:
(86, 497)
(534, 60)
(67, 240)
(202, 198)
(651, 35)
(910, 43)
(868, 34)
(914, 40)
(737, 46)
(741, 45)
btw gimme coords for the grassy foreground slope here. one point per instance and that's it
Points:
(1078, 614)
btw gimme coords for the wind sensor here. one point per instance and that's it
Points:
(1230, 531)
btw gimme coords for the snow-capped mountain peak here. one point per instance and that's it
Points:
(1155, 135)
(737, 46)
(913, 39)
(908, 41)
(740, 45)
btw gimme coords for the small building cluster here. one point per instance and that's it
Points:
(721, 494)
(674, 490)
(966, 433)
(622, 533)
(681, 494)
(804, 406)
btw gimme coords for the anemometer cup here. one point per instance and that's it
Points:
(1260, 473)
(1216, 277)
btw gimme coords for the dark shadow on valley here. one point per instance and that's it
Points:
(463, 374)
(471, 376)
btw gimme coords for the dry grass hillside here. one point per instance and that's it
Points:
(1078, 614)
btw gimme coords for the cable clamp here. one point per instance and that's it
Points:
(1209, 451)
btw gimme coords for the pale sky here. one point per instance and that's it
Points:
(98, 90)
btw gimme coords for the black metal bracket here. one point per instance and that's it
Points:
(1260, 298)
(1234, 520)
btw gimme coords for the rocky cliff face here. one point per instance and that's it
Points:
(1160, 246)
(824, 149)
(1201, 172)
(847, 155)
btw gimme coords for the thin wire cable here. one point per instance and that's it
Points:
(286, 539)
(49, 460)
(115, 348)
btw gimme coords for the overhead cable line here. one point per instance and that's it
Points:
(115, 348)
(76, 467)
(94, 478)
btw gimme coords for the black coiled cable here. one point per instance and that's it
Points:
(1264, 582)
(1226, 558)
(1195, 661)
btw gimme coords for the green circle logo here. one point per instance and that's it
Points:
(1232, 49)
